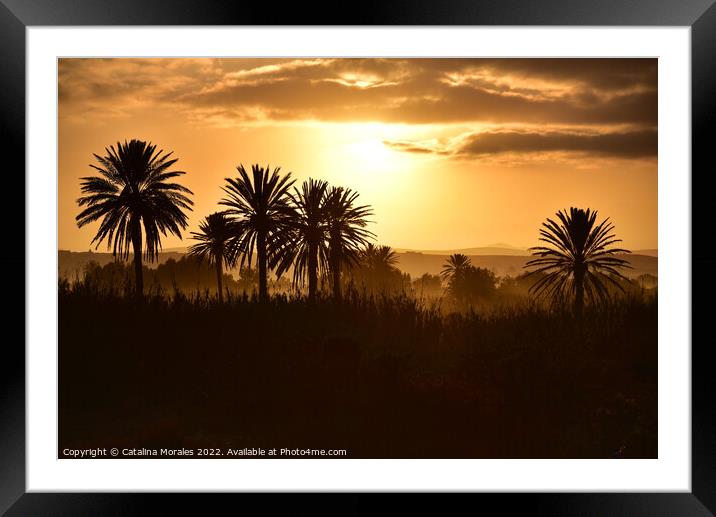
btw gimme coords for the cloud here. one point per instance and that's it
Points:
(631, 144)
(415, 147)
(407, 91)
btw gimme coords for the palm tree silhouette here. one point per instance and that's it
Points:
(579, 260)
(132, 192)
(304, 245)
(456, 272)
(262, 214)
(380, 258)
(378, 267)
(346, 232)
(212, 246)
(455, 266)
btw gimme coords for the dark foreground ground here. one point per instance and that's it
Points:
(379, 379)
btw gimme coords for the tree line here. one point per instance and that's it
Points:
(314, 230)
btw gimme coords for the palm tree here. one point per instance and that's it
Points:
(346, 232)
(380, 258)
(579, 259)
(305, 244)
(261, 212)
(455, 271)
(378, 268)
(132, 192)
(455, 266)
(212, 246)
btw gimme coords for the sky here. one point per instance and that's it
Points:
(450, 153)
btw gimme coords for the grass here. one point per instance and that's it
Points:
(381, 377)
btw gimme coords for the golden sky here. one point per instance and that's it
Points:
(451, 153)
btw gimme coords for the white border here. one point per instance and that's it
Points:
(670, 472)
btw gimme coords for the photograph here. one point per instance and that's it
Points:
(342, 258)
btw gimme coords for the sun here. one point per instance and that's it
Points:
(372, 154)
(357, 156)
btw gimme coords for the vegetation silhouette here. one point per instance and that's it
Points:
(188, 275)
(455, 272)
(259, 207)
(381, 376)
(212, 246)
(303, 246)
(347, 232)
(461, 364)
(428, 285)
(579, 259)
(466, 283)
(376, 271)
(455, 267)
(132, 192)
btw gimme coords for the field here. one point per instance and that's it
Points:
(380, 377)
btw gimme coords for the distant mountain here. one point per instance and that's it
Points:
(496, 249)
(416, 264)
(500, 248)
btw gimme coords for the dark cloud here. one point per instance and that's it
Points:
(634, 144)
(418, 91)
(558, 91)
(594, 73)
(414, 147)
(444, 91)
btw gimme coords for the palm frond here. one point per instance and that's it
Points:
(578, 258)
(132, 192)
(214, 233)
(256, 204)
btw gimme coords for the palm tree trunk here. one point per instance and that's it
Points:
(336, 271)
(261, 252)
(219, 278)
(312, 272)
(578, 291)
(137, 247)
(337, 295)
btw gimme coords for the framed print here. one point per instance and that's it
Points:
(390, 253)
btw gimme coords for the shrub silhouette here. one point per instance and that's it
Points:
(428, 285)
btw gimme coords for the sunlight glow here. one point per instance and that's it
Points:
(373, 153)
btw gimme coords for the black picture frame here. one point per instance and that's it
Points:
(700, 15)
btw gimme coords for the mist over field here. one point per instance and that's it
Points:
(71, 264)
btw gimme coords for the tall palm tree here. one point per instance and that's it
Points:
(261, 210)
(347, 232)
(579, 260)
(212, 246)
(305, 243)
(132, 193)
